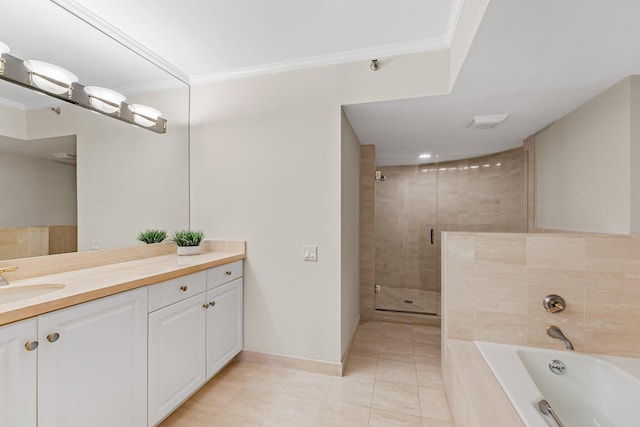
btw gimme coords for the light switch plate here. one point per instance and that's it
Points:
(310, 253)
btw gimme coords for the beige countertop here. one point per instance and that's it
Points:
(86, 284)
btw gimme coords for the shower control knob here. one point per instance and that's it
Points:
(554, 303)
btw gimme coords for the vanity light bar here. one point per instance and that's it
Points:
(14, 71)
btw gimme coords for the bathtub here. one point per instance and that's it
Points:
(593, 391)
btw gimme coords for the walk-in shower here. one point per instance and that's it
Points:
(414, 204)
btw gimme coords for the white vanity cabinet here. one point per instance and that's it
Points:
(176, 354)
(18, 365)
(224, 325)
(92, 361)
(195, 328)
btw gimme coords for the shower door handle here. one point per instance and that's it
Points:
(433, 235)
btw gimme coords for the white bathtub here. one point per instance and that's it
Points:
(594, 391)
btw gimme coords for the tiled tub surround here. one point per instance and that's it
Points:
(493, 287)
(96, 274)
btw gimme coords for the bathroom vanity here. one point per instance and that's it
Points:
(121, 344)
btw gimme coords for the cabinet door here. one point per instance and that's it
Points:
(176, 355)
(18, 367)
(224, 325)
(92, 363)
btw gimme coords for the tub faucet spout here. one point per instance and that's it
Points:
(554, 332)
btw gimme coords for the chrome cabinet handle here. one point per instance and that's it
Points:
(212, 303)
(184, 288)
(228, 273)
(53, 337)
(31, 345)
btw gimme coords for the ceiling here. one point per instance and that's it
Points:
(209, 39)
(536, 60)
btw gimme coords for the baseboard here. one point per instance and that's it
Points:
(345, 356)
(308, 365)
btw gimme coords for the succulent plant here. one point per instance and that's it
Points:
(152, 236)
(187, 237)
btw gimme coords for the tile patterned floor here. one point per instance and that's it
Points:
(392, 379)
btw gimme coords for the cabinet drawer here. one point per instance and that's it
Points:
(222, 274)
(171, 291)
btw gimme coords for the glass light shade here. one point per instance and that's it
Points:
(103, 99)
(54, 72)
(144, 115)
(4, 48)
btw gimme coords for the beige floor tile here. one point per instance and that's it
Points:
(185, 417)
(432, 359)
(380, 418)
(423, 329)
(238, 371)
(429, 376)
(433, 404)
(363, 348)
(309, 384)
(396, 352)
(396, 397)
(294, 410)
(361, 367)
(250, 404)
(271, 378)
(354, 390)
(397, 338)
(396, 371)
(391, 379)
(232, 422)
(335, 414)
(389, 327)
(430, 422)
(216, 392)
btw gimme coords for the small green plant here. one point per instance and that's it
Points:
(152, 236)
(187, 237)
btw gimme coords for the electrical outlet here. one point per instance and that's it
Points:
(94, 244)
(310, 253)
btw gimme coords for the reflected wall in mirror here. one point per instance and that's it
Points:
(125, 178)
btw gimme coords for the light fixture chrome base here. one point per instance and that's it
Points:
(15, 72)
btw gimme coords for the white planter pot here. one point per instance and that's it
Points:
(188, 250)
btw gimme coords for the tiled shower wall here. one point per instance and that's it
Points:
(481, 194)
(494, 285)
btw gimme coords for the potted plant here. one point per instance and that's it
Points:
(152, 236)
(188, 241)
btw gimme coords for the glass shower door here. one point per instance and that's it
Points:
(405, 239)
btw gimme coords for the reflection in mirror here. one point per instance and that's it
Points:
(126, 179)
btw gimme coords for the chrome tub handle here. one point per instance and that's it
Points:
(546, 409)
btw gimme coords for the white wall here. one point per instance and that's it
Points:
(350, 232)
(266, 167)
(13, 123)
(36, 192)
(583, 169)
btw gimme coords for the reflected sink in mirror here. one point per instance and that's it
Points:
(17, 293)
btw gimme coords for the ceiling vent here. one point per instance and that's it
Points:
(487, 122)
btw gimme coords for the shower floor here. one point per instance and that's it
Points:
(408, 300)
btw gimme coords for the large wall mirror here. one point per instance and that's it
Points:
(72, 179)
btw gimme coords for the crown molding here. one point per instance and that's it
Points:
(81, 12)
(381, 52)
(4, 102)
(454, 18)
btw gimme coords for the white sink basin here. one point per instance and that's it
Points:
(16, 293)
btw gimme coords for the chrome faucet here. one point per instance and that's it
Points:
(3, 281)
(554, 332)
